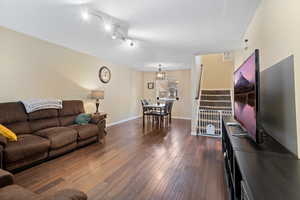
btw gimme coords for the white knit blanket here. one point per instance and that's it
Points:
(40, 104)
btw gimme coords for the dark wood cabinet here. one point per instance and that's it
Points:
(259, 172)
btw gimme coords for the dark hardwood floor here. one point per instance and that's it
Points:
(158, 164)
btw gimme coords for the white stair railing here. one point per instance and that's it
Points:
(210, 120)
(197, 78)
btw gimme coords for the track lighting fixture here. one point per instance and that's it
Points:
(130, 42)
(108, 27)
(85, 15)
(115, 27)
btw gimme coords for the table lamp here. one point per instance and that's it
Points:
(97, 94)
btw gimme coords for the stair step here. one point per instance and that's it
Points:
(216, 124)
(216, 98)
(212, 120)
(205, 117)
(216, 103)
(216, 92)
(214, 114)
(214, 108)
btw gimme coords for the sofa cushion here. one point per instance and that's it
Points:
(26, 146)
(74, 107)
(12, 112)
(69, 112)
(42, 119)
(67, 194)
(37, 125)
(43, 114)
(68, 120)
(86, 131)
(19, 128)
(14, 117)
(16, 192)
(58, 136)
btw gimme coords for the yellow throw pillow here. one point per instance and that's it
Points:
(7, 133)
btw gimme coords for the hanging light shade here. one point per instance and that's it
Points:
(160, 75)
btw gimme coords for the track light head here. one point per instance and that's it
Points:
(85, 14)
(130, 42)
(114, 36)
(108, 27)
(115, 28)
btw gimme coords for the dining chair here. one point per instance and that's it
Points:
(170, 111)
(165, 112)
(147, 112)
(146, 102)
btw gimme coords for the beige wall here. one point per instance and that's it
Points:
(183, 107)
(275, 31)
(217, 74)
(32, 68)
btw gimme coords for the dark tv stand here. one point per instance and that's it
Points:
(239, 131)
(258, 172)
(241, 134)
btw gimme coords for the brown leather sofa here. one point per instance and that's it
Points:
(45, 133)
(11, 191)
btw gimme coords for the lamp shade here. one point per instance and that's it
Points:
(97, 94)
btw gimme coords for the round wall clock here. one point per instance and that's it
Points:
(104, 74)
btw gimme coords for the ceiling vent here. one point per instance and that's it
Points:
(227, 56)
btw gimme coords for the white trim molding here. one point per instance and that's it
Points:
(139, 116)
(216, 89)
(122, 121)
(185, 118)
(194, 133)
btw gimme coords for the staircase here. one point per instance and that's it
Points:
(214, 104)
(215, 100)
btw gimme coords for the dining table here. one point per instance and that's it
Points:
(156, 106)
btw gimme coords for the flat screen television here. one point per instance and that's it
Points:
(246, 96)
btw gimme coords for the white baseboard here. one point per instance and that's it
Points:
(139, 116)
(194, 133)
(185, 118)
(217, 89)
(122, 121)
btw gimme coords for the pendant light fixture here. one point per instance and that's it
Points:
(160, 75)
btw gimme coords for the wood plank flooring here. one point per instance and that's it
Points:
(135, 163)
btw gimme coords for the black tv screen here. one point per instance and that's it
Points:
(246, 96)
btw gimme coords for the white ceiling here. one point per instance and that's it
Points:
(170, 32)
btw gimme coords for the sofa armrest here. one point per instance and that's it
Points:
(96, 118)
(99, 120)
(67, 194)
(3, 141)
(6, 178)
(102, 128)
(1, 156)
